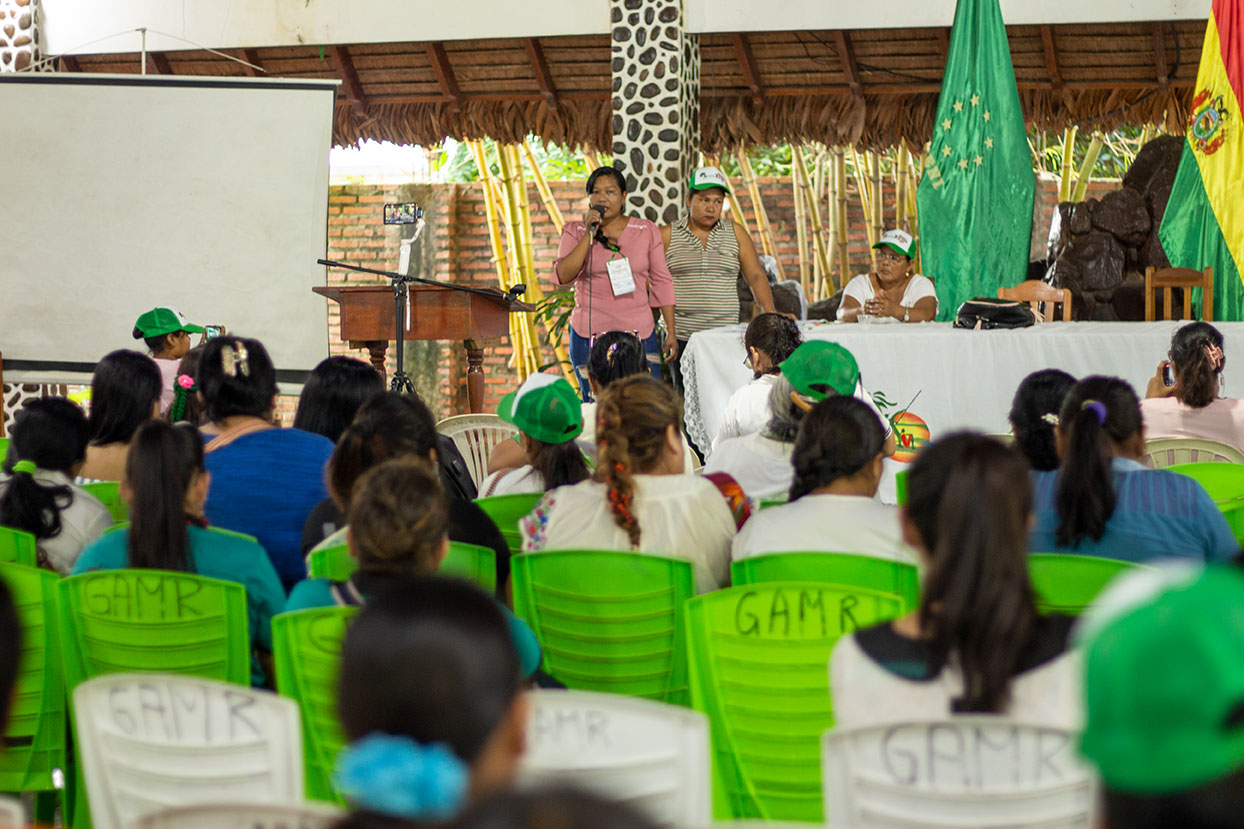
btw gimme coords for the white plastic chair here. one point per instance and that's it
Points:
(1162, 452)
(151, 741)
(476, 435)
(12, 815)
(649, 754)
(243, 816)
(965, 771)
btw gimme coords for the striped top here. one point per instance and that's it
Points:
(706, 293)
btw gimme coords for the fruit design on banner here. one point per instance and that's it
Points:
(911, 433)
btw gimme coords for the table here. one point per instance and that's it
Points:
(954, 379)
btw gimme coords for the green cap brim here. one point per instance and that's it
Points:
(192, 329)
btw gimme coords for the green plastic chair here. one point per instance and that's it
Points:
(1069, 583)
(109, 492)
(759, 657)
(18, 547)
(334, 563)
(1225, 484)
(35, 738)
(900, 487)
(470, 561)
(506, 511)
(844, 569)
(306, 647)
(4, 448)
(608, 621)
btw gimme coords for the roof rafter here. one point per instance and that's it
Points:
(1159, 56)
(846, 54)
(544, 78)
(344, 66)
(249, 56)
(68, 63)
(159, 63)
(1051, 56)
(444, 72)
(747, 62)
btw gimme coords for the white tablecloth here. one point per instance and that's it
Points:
(954, 379)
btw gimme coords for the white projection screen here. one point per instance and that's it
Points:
(120, 193)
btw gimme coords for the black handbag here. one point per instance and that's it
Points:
(986, 312)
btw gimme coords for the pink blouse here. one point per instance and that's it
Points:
(1222, 420)
(640, 243)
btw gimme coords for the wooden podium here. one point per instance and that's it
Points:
(436, 313)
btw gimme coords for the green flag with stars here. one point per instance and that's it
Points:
(975, 198)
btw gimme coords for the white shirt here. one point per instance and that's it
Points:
(83, 521)
(760, 464)
(681, 516)
(748, 410)
(861, 287)
(511, 481)
(825, 523)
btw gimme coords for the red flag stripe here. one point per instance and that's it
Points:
(1229, 19)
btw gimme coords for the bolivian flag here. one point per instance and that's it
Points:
(1204, 220)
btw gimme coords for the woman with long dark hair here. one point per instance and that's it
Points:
(1193, 405)
(166, 486)
(125, 393)
(769, 340)
(1102, 501)
(977, 643)
(333, 393)
(37, 492)
(1034, 415)
(549, 416)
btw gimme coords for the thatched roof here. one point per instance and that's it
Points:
(870, 88)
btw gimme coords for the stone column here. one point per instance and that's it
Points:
(20, 42)
(656, 104)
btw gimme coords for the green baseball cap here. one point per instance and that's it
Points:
(898, 241)
(1164, 686)
(159, 321)
(544, 407)
(817, 368)
(706, 178)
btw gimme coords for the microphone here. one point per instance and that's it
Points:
(601, 211)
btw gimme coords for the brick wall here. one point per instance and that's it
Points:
(457, 249)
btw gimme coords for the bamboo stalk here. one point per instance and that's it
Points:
(840, 185)
(878, 196)
(797, 167)
(1086, 169)
(592, 159)
(900, 188)
(758, 207)
(1069, 146)
(736, 212)
(814, 214)
(831, 213)
(913, 217)
(861, 185)
(490, 210)
(528, 254)
(546, 195)
(820, 277)
(518, 328)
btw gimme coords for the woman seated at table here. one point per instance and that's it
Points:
(1034, 415)
(891, 291)
(833, 506)
(1103, 502)
(977, 644)
(769, 340)
(549, 417)
(1193, 406)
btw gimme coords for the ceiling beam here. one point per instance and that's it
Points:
(943, 40)
(1051, 57)
(344, 66)
(747, 62)
(68, 63)
(846, 54)
(1159, 56)
(544, 78)
(158, 63)
(444, 72)
(251, 56)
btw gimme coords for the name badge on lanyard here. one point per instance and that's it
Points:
(620, 277)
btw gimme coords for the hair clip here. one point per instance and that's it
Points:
(613, 348)
(1050, 418)
(24, 466)
(1096, 407)
(233, 358)
(1214, 353)
(186, 382)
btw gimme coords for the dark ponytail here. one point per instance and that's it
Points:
(162, 463)
(1034, 414)
(559, 464)
(49, 433)
(838, 438)
(969, 498)
(614, 355)
(1097, 414)
(1196, 351)
(773, 335)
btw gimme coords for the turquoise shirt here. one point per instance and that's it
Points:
(216, 554)
(318, 593)
(1157, 514)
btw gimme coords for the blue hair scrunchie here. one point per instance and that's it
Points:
(402, 777)
(1096, 407)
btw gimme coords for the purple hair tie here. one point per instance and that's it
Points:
(1096, 407)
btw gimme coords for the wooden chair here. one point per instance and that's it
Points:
(1036, 292)
(1185, 278)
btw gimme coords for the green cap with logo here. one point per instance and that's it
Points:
(1164, 684)
(160, 321)
(817, 369)
(544, 407)
(899, 241)
(706, 178)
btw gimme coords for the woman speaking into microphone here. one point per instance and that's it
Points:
(617, 265)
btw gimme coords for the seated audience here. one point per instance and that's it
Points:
(1034, 416)
(1103, 502)
(833, 505)
(167, 335)
(399, 525)
(977, 644)
(37, 492)
(1164, 691)
(166, 486)
(265, 479)
(430, 704)
(549, 417)
(333, 393)
(187, 402)
(392, 425)
(640, 500)
(1194, 406)
(769, 340)
(125, 392)
(549, 807)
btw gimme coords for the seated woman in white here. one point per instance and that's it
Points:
(1192, 407)
(891, 291)
(977, 644)
(833, 506)
(547, 412)
(769, 340)
(640, 501)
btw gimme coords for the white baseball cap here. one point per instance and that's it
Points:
(896, 240)
(705, 178)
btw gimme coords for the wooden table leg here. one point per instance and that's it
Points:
(377, 349)
(475, 376)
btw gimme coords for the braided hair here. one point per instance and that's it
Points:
(632, 419)
(838, 438)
